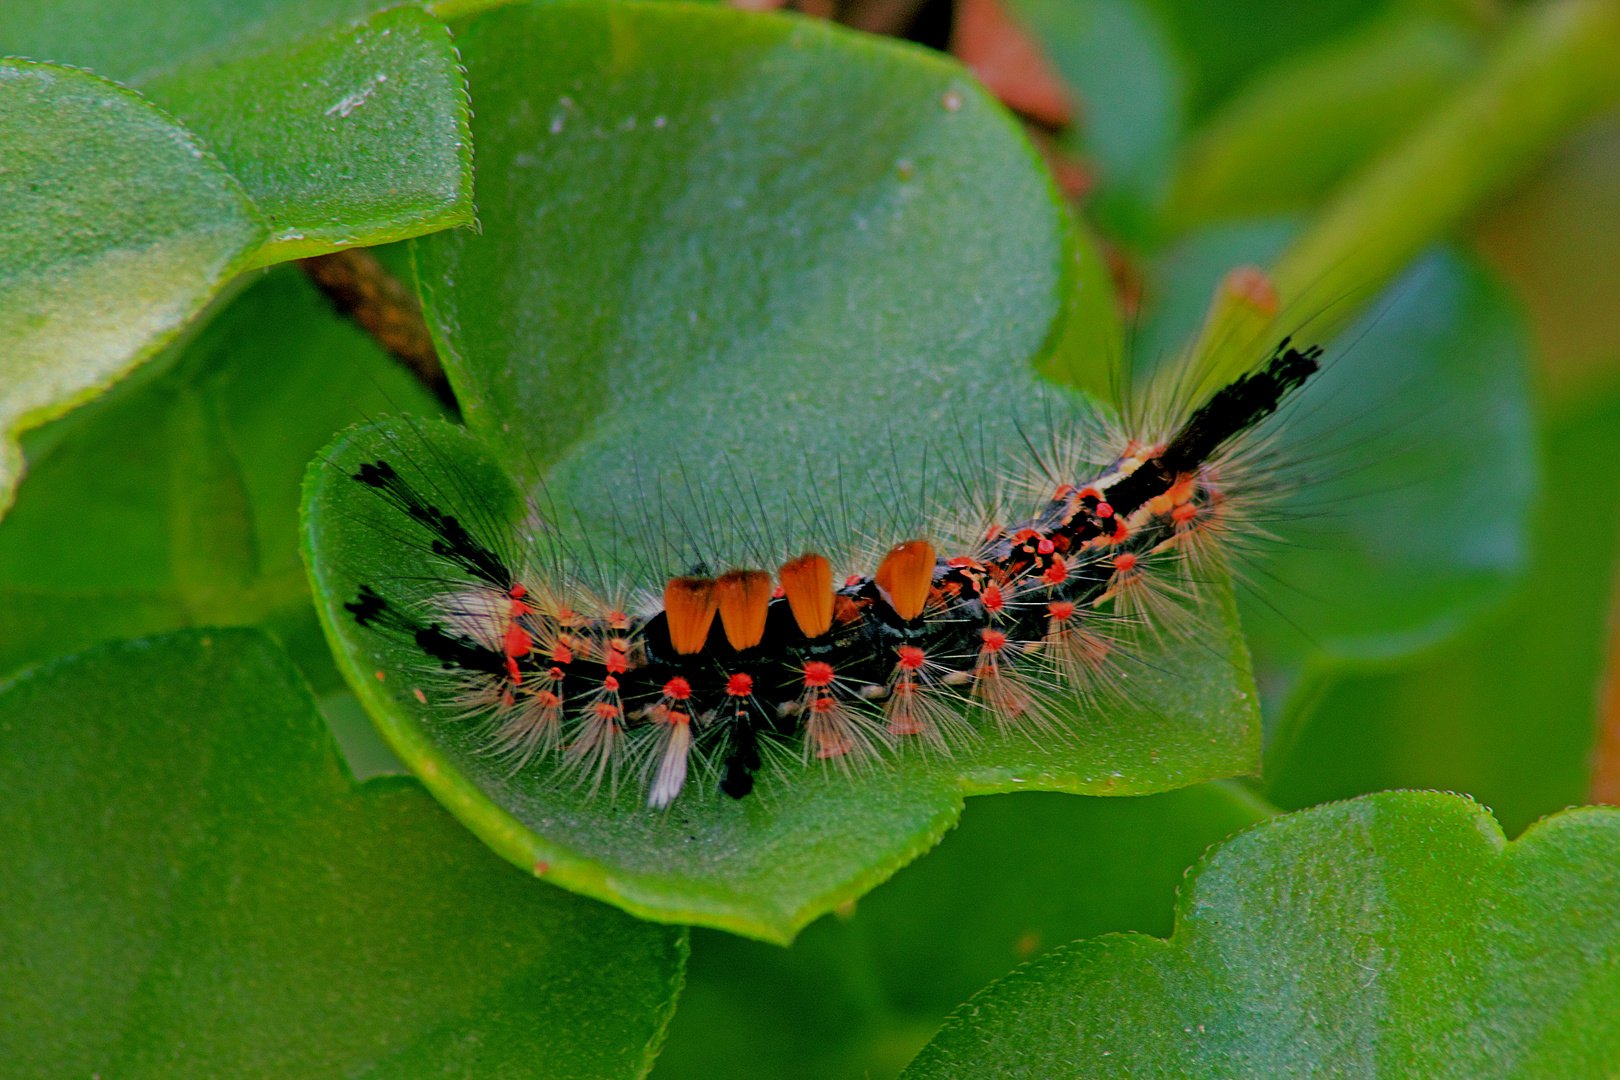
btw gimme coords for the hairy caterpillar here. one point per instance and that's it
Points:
(937, 640)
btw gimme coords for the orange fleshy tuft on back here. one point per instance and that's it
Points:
(690, 605)
(905, 576)
(743, 596)
(807, 582)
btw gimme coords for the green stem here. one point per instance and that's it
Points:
(1558, 64)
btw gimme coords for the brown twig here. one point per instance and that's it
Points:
(892, 17)
(362, 289)
(1605, 785)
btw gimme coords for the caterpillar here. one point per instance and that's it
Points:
(928, 643)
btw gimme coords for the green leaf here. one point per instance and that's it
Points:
(859, 993)
(116, 229)
(689, 214)
(355, 135)
(1414, 457)
(1506, 713)
(345, 127)
(174, 501)
(762, 866)
(1396, 935)
(195, 887)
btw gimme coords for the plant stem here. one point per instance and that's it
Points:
(1555, 66)
(362, 289)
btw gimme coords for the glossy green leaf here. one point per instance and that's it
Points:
(858, 993)
(765, 865)
(1117, 58)
(1408, 467)
(1396, 935)
(345, 127)
(356, 135)
(116, 229)
(175, 502)
(1299, 128)
(195, 887)
(1508, 712)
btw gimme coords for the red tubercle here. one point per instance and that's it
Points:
(992, 599)
(959, 561)
(818, 673)
(1057, 573)
(518, 591)
(677, 689)
(823, 704)
(1104, 510)
(547, 699)
(1061, 610)
(562, 654)
(911, 658)
(618, 620)
(994, 640)
(1184, 513)
(512, 671)
(616, 663)
(517, 641)
(1121, 530)
(1090, 493)
(417, 693)
(1045, 547)
(739, 685)
(1063, 492)
(778, 593)
(675, 716)
(1184, 488)
(555, 673)
(610, 684)
(1124, 563)
(606, 710)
